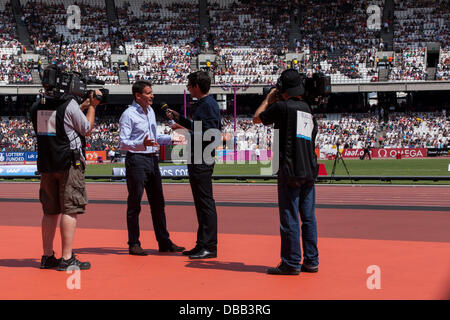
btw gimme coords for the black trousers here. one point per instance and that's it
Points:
(366, 152)
(200, 178)
(142, 173)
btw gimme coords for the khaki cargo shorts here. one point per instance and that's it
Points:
(64, 192)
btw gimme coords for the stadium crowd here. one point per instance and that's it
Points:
(416, 24)
(354, 131)
(248, 135)
(85, 48)
(411, 65)
(12, 70)
(419, 22)
(443, 70)
(418, 130)
(402, 130)
(151, 23)
(161, 65)
(338, 41)
(334, 38)
(250, 23)
(16, 134)
(241, 33)
(248, 66)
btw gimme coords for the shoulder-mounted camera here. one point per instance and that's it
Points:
(61, 84)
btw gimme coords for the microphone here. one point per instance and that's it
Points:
(165, 107)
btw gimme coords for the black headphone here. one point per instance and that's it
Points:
(279, 85)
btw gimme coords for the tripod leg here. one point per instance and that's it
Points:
(333, 171)
(334, 168)
(345, 166)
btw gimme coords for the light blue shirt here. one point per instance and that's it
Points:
(135, 125)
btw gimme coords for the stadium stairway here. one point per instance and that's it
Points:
(111, 14)
(123, 77)
(431, 73)
(205, 27)
(194, 64)
(388, 36)
(383, 74)
(36, 77)
(22, 31)
(294, 30)
(381, 133)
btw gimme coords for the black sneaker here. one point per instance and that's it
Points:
(49, 262)
(73, 262)
(284, 269)
(312, 269)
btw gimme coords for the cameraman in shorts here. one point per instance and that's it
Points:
(61, 127)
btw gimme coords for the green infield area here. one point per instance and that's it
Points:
(394, 167)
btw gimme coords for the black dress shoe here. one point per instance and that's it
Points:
(203, 254)
(172, 247)
(284, 269)
(137, 251)
(196, 250)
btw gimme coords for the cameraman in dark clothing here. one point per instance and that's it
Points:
(297, 173)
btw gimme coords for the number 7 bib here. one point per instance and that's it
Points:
(305, 125)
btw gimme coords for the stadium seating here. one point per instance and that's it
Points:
(410, 66)
(85, 49)
(443, 72)
(162, 65)
(248, 66)
(250, 38)
(416, 24)
(338, 41)
(402, 130)
(413, 130)
(419, 22)
(12, 70)
(158, 35)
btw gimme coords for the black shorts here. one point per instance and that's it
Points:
(64, 192)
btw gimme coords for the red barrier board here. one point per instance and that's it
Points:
(387, 153)
(93, 155)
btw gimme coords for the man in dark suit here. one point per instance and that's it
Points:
(201, 166)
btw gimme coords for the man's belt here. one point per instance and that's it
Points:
(150, 155)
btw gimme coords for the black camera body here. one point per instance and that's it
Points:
(60, 84)
(317, 88)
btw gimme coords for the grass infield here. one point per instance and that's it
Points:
(386, 167)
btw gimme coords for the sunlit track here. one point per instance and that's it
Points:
(351, 238)
(357, 195)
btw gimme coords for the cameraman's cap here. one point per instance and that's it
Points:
(291, 82)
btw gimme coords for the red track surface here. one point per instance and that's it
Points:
(411, 247)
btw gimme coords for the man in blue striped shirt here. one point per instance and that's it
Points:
(139, 137)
